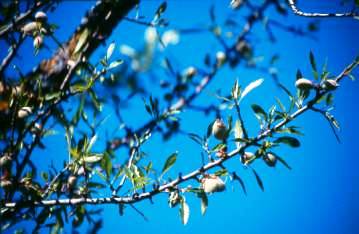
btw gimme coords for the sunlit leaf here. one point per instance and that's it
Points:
(184, 211)
(93, 158)
(250, 87)
(204, 203)
(314, 65)
(110, 50)
(115, 64)
(238, 131)
(82, 40)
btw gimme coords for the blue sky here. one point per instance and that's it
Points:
(319, 195)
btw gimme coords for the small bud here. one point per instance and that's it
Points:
(244, 48)
(221, 58)
(330, 84)
(5, 183)
(304, 84)
(16, 90)
(174, 199)
(44, 31)
(81, 171)
(236, 4)
(71, 180)
(270, 159)
(190, 72)
(212, 184)
(24, 112)
(41, 16)
(38, 40)
(247, 158)
(5, 160)
(219, 130)
(2, 87)
(222, 152)
(71, 63)
(29, 28)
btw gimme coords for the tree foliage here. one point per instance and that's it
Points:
(67, 93)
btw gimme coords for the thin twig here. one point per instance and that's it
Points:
(295, 9)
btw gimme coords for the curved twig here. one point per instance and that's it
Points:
(297, 11)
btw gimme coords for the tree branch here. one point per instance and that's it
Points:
(293, 6)
(192, 175)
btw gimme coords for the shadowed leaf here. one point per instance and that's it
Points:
(259, 180)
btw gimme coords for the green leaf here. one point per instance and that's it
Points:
(313, 63)
(218, 147)
(259, 111)
(329, 99)
(196, 138)
(291, 130)
(299, 74)
(239, 179)
(169, 163)
(110, 50)
(291, 141)
(250, 87)
(283, 162)
(281, 106)
(106, 164)
(96, 102)
(44, 176)
(221, 172)
(209, 129)
(204, 203)
(258, 179)
(184, 211)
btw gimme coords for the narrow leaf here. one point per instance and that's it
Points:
(110, 50)
(169, 162)
(93, 158)
(204, 203)
(250, 87)
(239, 179)
(81, 41)
(184, 211)
(259, 180)
(238, 131)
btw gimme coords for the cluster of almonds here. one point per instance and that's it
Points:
(248, 157)
(36, 29)
(305, 84)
